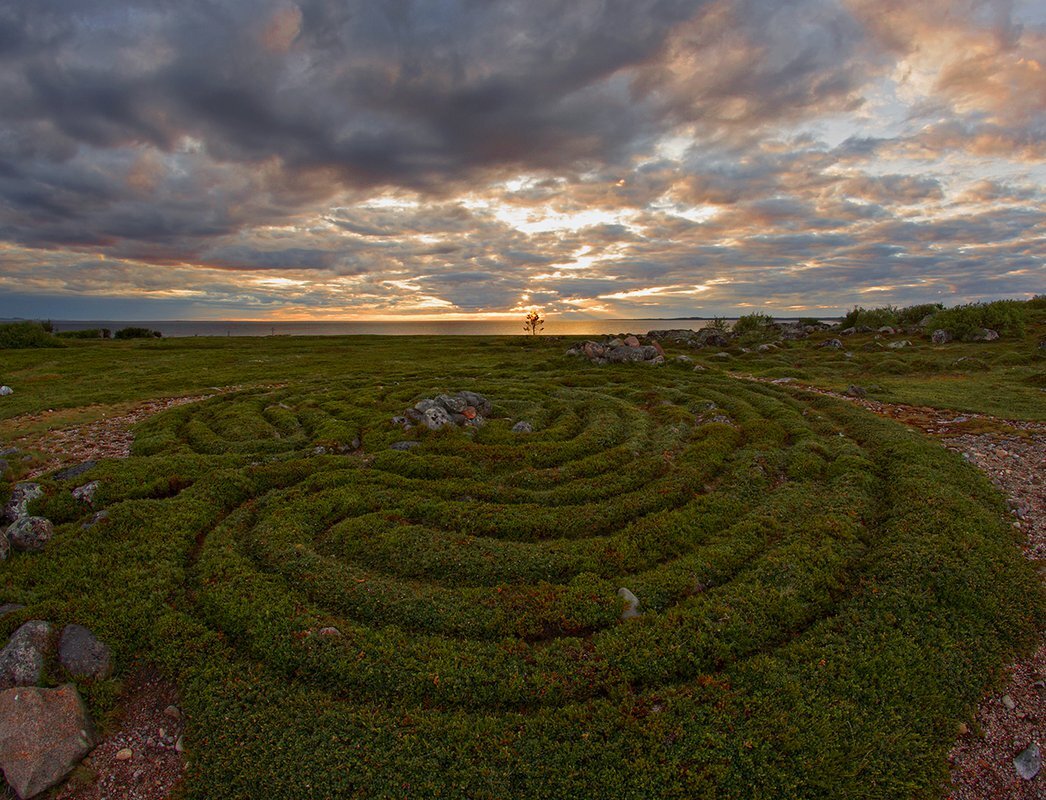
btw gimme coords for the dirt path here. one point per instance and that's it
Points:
(1013, 455)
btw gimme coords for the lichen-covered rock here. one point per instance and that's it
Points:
(522, 427)
(22, 494)
(30, 533)
(44, 734)
(86, 493)
(631, 603)
(435, 418)
(82, 655)
(22, 659)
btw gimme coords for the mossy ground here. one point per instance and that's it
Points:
(826, 594)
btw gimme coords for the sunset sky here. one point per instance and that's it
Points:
(333, 159)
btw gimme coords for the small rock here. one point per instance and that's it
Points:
(403, 447)
(6, 390)
(172, 712)
(329, 631)
(848, 331)
(940, 336)
(522, 427)
(101, 516)
(9, 608)
(22, 659)
(833, 343)
(963, 729)
(700, 368)
(782, 381)
(179, 745)
(856, 391)
(631, 603)
(82, 654)
(30, 533)
(1008, 702)
(722, 355)
(685, 360)
(402, 422)
(886, 330)
(124, 754)
(86, 493)
(455, 404)
(1028, 762)
(44, 733)
(986, 335)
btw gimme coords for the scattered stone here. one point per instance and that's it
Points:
(631, 341)
(631, 603)
(783, 380)
(848, 331)
(126, 754)
(82, 655)
(402, 422)
(700, 368)
(403, 447)
(684, 360)
(22, 659)
(723, 355)
(330, 631)
(179, 745)
(941, 336)
(886, 330)
(898, 345)
(30, 533)
(86, 493)
(44, 734)
(173, 712)
(22, 494)
(856, 391)
(1028, 762)
(6, 390)
(75, 471)
(522, 427)
(1008, 702)
(833, 343)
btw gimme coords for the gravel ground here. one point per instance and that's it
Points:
(141, 759)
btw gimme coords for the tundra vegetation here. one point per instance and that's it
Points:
(823, 595)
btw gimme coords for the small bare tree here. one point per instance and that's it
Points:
(534, 323)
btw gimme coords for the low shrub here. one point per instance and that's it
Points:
(750, 327)
(15, 335)
(966, 321)
(858, 317)
(87, 333)
(913, 315)
(137, 333)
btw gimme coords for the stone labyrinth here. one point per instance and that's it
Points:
(812, 594)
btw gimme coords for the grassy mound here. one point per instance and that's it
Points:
(824, 594)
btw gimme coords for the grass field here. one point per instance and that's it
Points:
(824, 594)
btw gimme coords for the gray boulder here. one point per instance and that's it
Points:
(44, 734)
(848, 331)
(985, 335)
(631, 603)
(6, 390)
(522, 427)
(22, 659)
(856, 391)
(886, 330)
(82, 655)
(435, 418)
(940, 336)
(30, 533)
(455, 404)
(482, 405)
(21, 496)
(833, 343)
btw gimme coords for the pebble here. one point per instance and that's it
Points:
(124, 754)
(173, 712)
(1007, 701)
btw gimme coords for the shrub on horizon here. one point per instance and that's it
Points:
(136, 333)
(14, 335)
